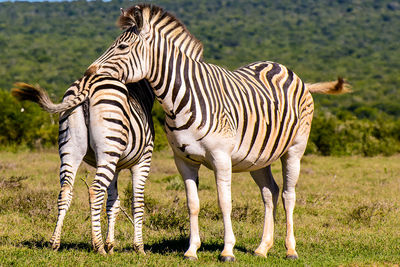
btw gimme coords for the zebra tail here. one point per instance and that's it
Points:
(331, 88)
(39, 95)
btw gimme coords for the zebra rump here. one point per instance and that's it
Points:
(121, 138)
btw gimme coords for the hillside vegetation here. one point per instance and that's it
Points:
(53, 43)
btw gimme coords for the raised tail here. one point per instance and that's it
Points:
(331, 88)
(39, 95)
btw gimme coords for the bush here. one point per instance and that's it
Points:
(25, 124)
(160, 141)
(351, 136)
(158, 215)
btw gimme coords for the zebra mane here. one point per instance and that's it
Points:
(134, 17)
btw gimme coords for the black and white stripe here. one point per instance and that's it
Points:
(240, 120)
(108, 125)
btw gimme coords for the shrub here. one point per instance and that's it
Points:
(161, 141)
(26, 124)
(352, 136)
(160, 216)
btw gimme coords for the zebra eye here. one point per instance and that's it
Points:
(122, 46)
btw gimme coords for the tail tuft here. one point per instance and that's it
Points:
(332, 88)
(36, 94)
(24, 92)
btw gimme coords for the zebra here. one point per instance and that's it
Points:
(229, 121)
(109, 126)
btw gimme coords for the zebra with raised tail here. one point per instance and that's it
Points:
(108, 125)
(240, 120)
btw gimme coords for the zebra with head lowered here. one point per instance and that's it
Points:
(108, 125)
(240, 120)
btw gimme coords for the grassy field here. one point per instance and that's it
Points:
(347, 214)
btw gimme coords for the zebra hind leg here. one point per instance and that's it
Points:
(104, 176)
(139, 176)
(269, 193)
(72, 150)
(112, 209)
(64, 201)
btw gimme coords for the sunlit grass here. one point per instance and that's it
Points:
(347, 213)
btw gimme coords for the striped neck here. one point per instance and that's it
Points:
(171, 47)
(169, 73)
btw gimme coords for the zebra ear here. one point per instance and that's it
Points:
(137, 13)
(126, 20)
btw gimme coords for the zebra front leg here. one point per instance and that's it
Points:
(291, 172)
(112, 209)
(139, 176)
(101, 182)
(223, 177)
(269, 193)
(189, 174)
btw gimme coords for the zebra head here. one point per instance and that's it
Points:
(127, 58)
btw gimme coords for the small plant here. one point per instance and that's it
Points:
(14, 182)
(170, 216)
(32, 203)
(174, 182)
(240, 212)
(367, 214)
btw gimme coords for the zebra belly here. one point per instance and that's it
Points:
(197, 154)
(251, 163)
(261, 150)
(248, 156)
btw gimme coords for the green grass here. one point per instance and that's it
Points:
(347, 214)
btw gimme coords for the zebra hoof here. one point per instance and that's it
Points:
(139, 249)
(227, 258)
(110, 248)
(292, 257)
(260, 255)
(55, 246)
(141, 252)
(102, 251)
(191, 258)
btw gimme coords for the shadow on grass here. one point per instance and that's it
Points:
(181, 244)
(176, 245)
(41, 244)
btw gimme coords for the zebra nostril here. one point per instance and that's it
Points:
(91, 70)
